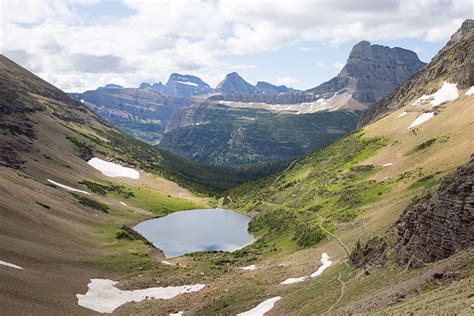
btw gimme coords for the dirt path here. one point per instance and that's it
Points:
(343, 286)
(321, 220)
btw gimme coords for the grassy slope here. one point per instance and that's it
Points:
(379, 196)
(242, 135)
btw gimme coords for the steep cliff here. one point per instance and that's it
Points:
(439, 225)
(372, 71)
(453, 63)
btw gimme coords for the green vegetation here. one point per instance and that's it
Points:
(91, 203)
(428, 181)
(160, 203)
(423, 146)
(328, 185)
(129, 233)
(200, 177)
(104, 189)
(239, 136)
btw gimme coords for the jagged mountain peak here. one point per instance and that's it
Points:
(233, 83)
(371, 72)
(179, 85)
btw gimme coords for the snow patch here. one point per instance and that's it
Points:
(402, 114)
(67, 187)
(11, 265)
(124, 204)
(421, 119)
(251, 267)
(261, 308)
(180, 313)
(388, 164)
(447, 92)
(166, 262)
(470, 91)
(104, 297)
(111, 169)
(188, 83)
(325, 264)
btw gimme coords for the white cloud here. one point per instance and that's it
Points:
(51, 37)
(287, 80)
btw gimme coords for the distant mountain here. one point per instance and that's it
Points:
(453, 63)
(185, 86)
(234, 84)
(370, 73)
(234, 124)
(269, 88)
(140, 112)
(159, 87)
(112, 86)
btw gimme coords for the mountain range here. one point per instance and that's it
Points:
(242, 125)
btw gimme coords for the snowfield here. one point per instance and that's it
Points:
(11, 265)
(325, 264)
(67, 187)
(104, 297)
(111, 169)
(421, 119)
(251, 267)
(402, 114)
(470, 91)
(188, 83)
(261, 308)
(448, 92)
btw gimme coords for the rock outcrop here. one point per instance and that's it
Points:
(453, 63)
(439, 225)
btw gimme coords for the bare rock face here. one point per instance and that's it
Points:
(453, 63)
(438, 226)
(372, 72)
(185, 86)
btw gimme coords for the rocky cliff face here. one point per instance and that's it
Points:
(141, 112)
(185, 86)
(438, 226)
(453, 64)
(372, 72)
(234, 84)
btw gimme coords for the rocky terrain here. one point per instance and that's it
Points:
(141, 112)
(453, 63)
(439, 225)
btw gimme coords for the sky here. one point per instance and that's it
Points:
(80, 45)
